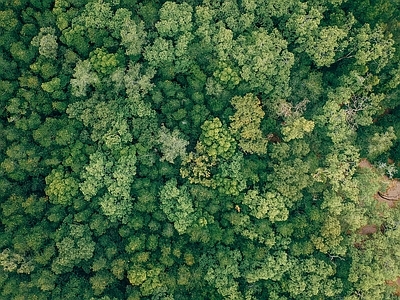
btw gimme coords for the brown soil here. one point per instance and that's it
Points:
(368, 229)
(395, 283)
(364, 163)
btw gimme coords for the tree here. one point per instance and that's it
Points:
(320, 43)
(46, 280)
(223, 271)
(245, 123)
(9, 19)
(303, 279)
(15, 262)
(269, 205)
(84, 77)
(373, 264)
(62, 188)
(174, 18)
(264, 62)
(47, 42)
(381, 143)
(133, 37)
(177, 206)
(172, 145)
(116, 176)
(74, 247)
(296, 127)
(100, 281)
(215, 141)
(22, 53)
(372, 45)
(269, 267)
(102, 62)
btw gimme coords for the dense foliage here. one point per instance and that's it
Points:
(198, 149)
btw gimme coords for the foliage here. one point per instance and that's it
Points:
(172, 145)
(245, 123)
(269, 205)
(177, 206)
(47, 42)
(198, 149)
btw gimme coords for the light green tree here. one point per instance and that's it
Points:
(245, 124)
(84, 77)
(172, 144)
(46, 40)
(295, 128)
(176, 203)
(73, 248)
(381, 143)
(271, 205)
(61, 188)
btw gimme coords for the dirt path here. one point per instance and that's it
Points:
(391, 197)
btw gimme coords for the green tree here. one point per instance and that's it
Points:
(222, 270)
(134, 161)
(61, 188)
(381, 143)
(270, 205)
(245, 123)
(177, 206)
(296, 127)
(84, 77)
(115, 175)
(174, 18)
(264, 62)
(172, 145)
(46, 41)
(74, 247)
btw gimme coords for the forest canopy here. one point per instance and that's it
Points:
(199, 149)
